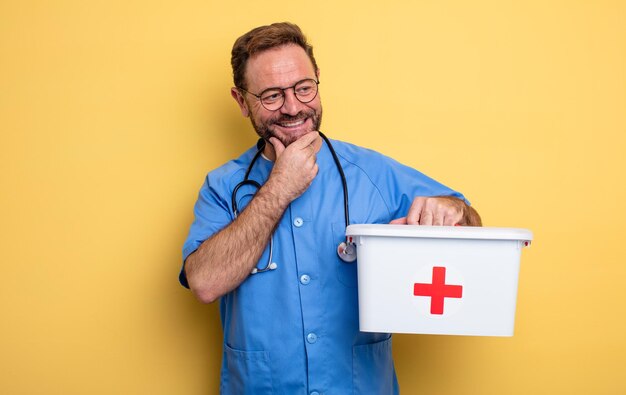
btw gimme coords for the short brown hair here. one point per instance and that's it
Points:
(261, 39)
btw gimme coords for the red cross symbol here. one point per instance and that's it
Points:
(438, 290)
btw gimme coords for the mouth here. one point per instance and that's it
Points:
(291, 124)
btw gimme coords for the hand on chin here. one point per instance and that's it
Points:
(288, 135)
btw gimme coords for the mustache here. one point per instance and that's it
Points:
(290, 118)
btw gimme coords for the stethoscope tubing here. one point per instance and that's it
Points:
(246, 181)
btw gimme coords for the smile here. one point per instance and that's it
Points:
(292, 124)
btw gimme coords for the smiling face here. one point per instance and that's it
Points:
(280, 67)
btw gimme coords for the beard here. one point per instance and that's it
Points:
(267, 129)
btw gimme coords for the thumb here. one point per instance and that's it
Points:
(278, 146)
(399, 221)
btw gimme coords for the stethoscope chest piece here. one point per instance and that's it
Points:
(347, 252)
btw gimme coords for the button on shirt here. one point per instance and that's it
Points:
(295, 329)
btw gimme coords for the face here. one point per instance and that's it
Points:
(279, 68)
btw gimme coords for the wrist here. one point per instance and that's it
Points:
(471, 217)
(276, 194)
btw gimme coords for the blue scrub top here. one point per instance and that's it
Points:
(295, 330)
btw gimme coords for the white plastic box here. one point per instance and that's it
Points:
(438, 279)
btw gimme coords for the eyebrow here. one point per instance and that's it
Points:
(291, 86)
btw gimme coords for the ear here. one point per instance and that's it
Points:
(317, 74)
(243, 106)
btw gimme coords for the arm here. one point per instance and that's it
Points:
(224, 260)
(411, 196)
(440, 210)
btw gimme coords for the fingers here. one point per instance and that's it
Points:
(415, 211)
(398, 221)
(452, 217)
(278, 146)
(317, 143)
(309, 144)
(438, 217)
(307, 140)
(453, 211)
(437, 211)
(296, 165)
(310, 141)
(426, 218)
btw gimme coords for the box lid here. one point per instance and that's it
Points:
(439, 232)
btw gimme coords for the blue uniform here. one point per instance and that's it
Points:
(295, 330)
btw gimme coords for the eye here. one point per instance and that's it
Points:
(271, 97)
(303, 90)
(306, 89)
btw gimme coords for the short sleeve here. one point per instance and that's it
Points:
(211, 214)
(397, 184)
(402, 184)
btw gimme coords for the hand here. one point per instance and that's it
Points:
(295, 166)
(441, 210)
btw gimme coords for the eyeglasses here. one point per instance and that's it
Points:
(273, 99)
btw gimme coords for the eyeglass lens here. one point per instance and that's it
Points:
(273, 99)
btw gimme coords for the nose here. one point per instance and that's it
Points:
(292, 104)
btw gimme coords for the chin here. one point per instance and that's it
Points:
(291, 137)
(288, 137)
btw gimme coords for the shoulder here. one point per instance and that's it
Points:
(352, 152)
(380, 169)
(363, 158)
(221, 178)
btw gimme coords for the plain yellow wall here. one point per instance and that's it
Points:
(111, 113)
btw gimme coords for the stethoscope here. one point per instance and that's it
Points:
(346, 249)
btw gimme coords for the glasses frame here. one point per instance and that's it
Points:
(293, 87)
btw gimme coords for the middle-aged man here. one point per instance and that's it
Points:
(288, 302)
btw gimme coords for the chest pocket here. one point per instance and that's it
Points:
(246, 373)
(373, 371)
(346, 272)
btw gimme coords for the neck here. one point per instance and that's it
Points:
(269, 152)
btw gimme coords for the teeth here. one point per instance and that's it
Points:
(292, 124)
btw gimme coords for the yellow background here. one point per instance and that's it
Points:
(111, 113)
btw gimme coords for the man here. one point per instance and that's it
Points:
(292, 327)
